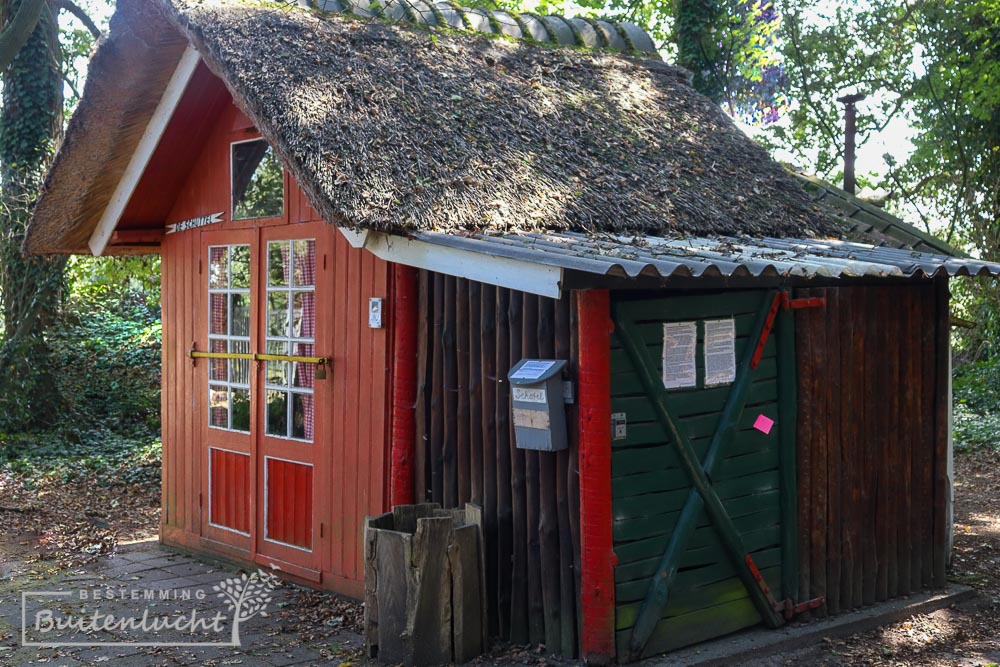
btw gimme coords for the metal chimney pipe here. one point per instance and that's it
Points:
(850, 143)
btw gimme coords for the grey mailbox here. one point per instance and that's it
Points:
(538, 404)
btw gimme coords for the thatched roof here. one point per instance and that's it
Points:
(390, 127)
(128, 74)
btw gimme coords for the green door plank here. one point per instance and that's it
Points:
(673, 633)
(693, 557)
(690, 601)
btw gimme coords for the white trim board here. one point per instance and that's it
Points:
(500, 271)
(144, 151)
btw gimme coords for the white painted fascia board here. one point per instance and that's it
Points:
(357, 239)
(144, 151)
(517, 274)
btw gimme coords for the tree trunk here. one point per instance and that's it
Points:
(30, 288)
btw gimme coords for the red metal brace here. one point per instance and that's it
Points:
(791, 610)
(786, 607)
(781, 300)
(772, 312)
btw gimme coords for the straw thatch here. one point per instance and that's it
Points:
(390, 127)
(127, 76)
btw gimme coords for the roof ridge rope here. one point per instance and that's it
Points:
(553, 29)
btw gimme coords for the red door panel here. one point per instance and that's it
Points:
(229, 490)
(289, 503)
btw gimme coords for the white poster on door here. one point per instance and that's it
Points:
(680, 340)
(720, 351)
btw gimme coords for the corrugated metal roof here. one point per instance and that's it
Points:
(863, 221)
(632, 257)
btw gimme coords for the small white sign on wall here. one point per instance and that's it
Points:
(194, 223)
(680, 340)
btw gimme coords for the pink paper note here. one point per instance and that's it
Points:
(763, 424)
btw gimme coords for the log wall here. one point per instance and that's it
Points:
(872, 443)
(470, 335)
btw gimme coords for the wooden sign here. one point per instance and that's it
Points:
(194, 223)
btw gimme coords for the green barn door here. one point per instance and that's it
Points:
(702, 466)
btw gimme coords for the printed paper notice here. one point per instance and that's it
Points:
(680, 340)
(720, 351)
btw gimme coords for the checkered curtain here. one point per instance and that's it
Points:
(219, 315)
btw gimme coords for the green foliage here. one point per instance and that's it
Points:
(97, 456)
(832, 49)
(110, 280)
(30, 288)
(976, 388)
(729, 47)
(105, 363)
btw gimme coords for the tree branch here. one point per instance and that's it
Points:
(78, 12)
(19, 30)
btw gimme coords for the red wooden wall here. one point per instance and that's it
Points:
(358, 403)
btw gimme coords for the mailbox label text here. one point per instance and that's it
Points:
(531, 418)
(530, 395)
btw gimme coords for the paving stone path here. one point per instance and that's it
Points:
(145, 577)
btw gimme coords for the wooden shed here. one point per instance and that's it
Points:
(367, 219)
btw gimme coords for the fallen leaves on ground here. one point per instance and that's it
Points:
(75, 522)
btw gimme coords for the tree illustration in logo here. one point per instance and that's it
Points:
(246, 596)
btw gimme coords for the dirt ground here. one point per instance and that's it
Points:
(58, 526)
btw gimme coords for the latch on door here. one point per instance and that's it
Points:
(321, 362)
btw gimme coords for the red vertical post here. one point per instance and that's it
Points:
(597, 557)
(404, 383)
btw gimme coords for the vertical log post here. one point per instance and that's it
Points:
(567, 566)
(519, 606)
(596, 541)
(548, 517)
(404, 382)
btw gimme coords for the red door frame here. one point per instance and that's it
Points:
(597, 557)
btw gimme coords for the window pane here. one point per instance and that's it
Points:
(240, 314)
(277, 413)
(305, 263)
(304, 314)
(218, 368)
(277, 315)
(218, 406)
(239, 269)
(302, 416)
(239, 368)
(218, 314)
(304, 374)
(217, 267)
(258, 187)
(241, 410)
(278, 263)
(277, 371)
